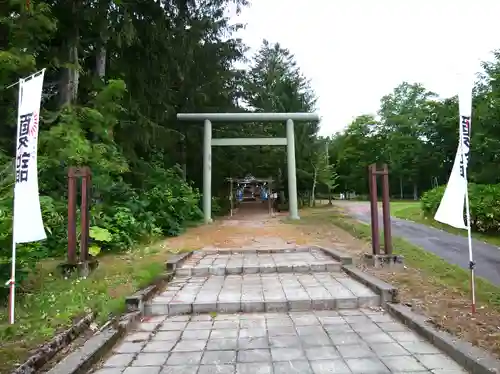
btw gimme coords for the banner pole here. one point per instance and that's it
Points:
(469, 239)
(12, 283)
(465, 162)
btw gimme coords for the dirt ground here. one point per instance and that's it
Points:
(252, 226)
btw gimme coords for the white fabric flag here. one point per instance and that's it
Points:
(28, 223)
(451, 208)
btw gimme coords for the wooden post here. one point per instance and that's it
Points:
(71, 215)
(372, 179)
(85, 174)
(84, 211)
(386, 211)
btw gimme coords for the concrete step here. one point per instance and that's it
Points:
(274, 292)
(300, 260)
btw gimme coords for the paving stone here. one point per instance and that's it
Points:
(142, 370)
(167, 335)
(224, 334)
(139, 336)
(226, 325)
(128, 347)
(284, 342)
(322, 353)
(409, 363)
(341, 338)
(254, 368)
(179, 318)
(253, 343)
(355, 351)
(330, 367)
(216, 369)
(377, 338)
(222, 344)
(175, 326)
(190, 345)
(150, 359)
(218, 357)
(420, 348)
(287, 354)
(294, 367)
(388, 349)
(438, 362)
(199, 325)
(147, 326)
(315, 341)
(310, 330)
(366, 365)
(254, 355)
(392, 326)
(119, 360)
(407, 336)
(159, 346)
(109, 371)
(187, 369)
(195, 334)
(252, 333)
(184, 358)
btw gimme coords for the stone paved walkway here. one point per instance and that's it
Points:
(270, 312)
(320, 342)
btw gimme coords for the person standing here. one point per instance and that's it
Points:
(276, 206)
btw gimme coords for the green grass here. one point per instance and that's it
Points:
(437, 270)
(51, 303)
(411, 210)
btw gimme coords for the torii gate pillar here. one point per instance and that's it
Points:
(292, 170)
(207, 171)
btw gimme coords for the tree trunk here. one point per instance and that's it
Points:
(415, 192)
(100, 60)
(401, 195)
(313, 189)
(71, 76)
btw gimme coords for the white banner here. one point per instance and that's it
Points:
(451, 209)
(28, 223)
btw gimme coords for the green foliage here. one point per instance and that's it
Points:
(484, 200)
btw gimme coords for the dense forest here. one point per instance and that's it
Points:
(119, 71)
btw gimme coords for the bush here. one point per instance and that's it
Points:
(484, 201)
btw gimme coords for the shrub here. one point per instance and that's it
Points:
(484, 201)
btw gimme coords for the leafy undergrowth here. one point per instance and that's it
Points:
(412, 211)
(51, 303)
(438, 289)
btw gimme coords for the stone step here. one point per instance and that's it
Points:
(274, 292)
(302, 260)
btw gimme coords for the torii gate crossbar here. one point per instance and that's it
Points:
(208, 142)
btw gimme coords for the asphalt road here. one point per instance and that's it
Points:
(451, 247)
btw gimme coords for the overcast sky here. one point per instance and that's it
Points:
(356, 51)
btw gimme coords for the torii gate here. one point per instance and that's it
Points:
(208, 142)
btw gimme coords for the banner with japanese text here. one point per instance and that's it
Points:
(451, 208)
(28, 223)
